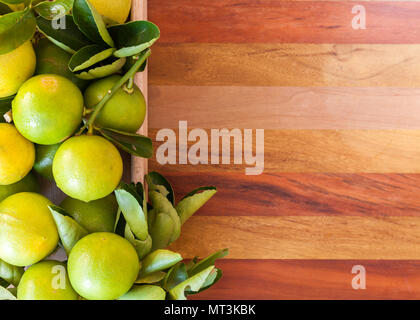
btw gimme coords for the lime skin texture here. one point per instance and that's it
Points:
(15, 68)
(28, 232)
(47, 109)
(27, 184)
(87, 167)
(103, 266)
(46, 280)
(17, 155)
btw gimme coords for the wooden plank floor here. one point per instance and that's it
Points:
(340, 110)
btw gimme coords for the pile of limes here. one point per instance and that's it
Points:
(65, 126)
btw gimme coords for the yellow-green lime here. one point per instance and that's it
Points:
(27, 184)
(46, 280)
(27, 229)
(103, 266)
(17, 155)
(15, 68)
(47, 109)
(95, 216)
(124, 111)
(87, 167)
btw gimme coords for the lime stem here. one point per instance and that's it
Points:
(130, 74)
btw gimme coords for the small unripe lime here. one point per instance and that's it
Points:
(44, 159)
(124, 111)
(103, 266)
(47, 109)
(27, 229)
(87, 167)
(46, 280)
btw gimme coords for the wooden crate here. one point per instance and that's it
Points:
(341, 113)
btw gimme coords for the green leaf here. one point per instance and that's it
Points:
(103, 69)
(54, 9)
(90, 22)
(6, 104)
(161, 230)
(145, 292)
(159, 260)
(15, 1)
(194, 201)
(211, 280)
(4, 9)
(89, 56)
(133, 37)
(9, 273)
(175, 276)
(156, 179)
(69, 39)
(151, 278)
(207, 262)
(162, 205)
(69, 230)
(5, 294)
(192, 284)
(133, 213)
(15, 29)
(135, 144)
(142, 247)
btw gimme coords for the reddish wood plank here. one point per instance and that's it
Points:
(314, 279)
(290, 194)
(264, 21)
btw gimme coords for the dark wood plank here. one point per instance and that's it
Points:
(294, 194)
(314, 279)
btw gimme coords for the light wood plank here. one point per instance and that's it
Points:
(285, 107)
(139, 166)
(299, 65)
(325, 151)
(302, 237)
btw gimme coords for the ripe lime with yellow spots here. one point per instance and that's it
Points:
(103, 266)
(124, 111)
(116, 10)
(46, 280)
(27, 184)
(27, 229)
(47, 109)
(17, 155)
(87, 167)
(15, 68)
(95, 216)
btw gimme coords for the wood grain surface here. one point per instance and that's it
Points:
(264, 21)
(341, 118)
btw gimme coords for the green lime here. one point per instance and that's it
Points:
(27, 229)
(124, 111)
(47, 109)
(51, 59)
(95, 216)
(87, 167)
(103, 266)
(27, 184)
(44, 159)
(46, 280)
